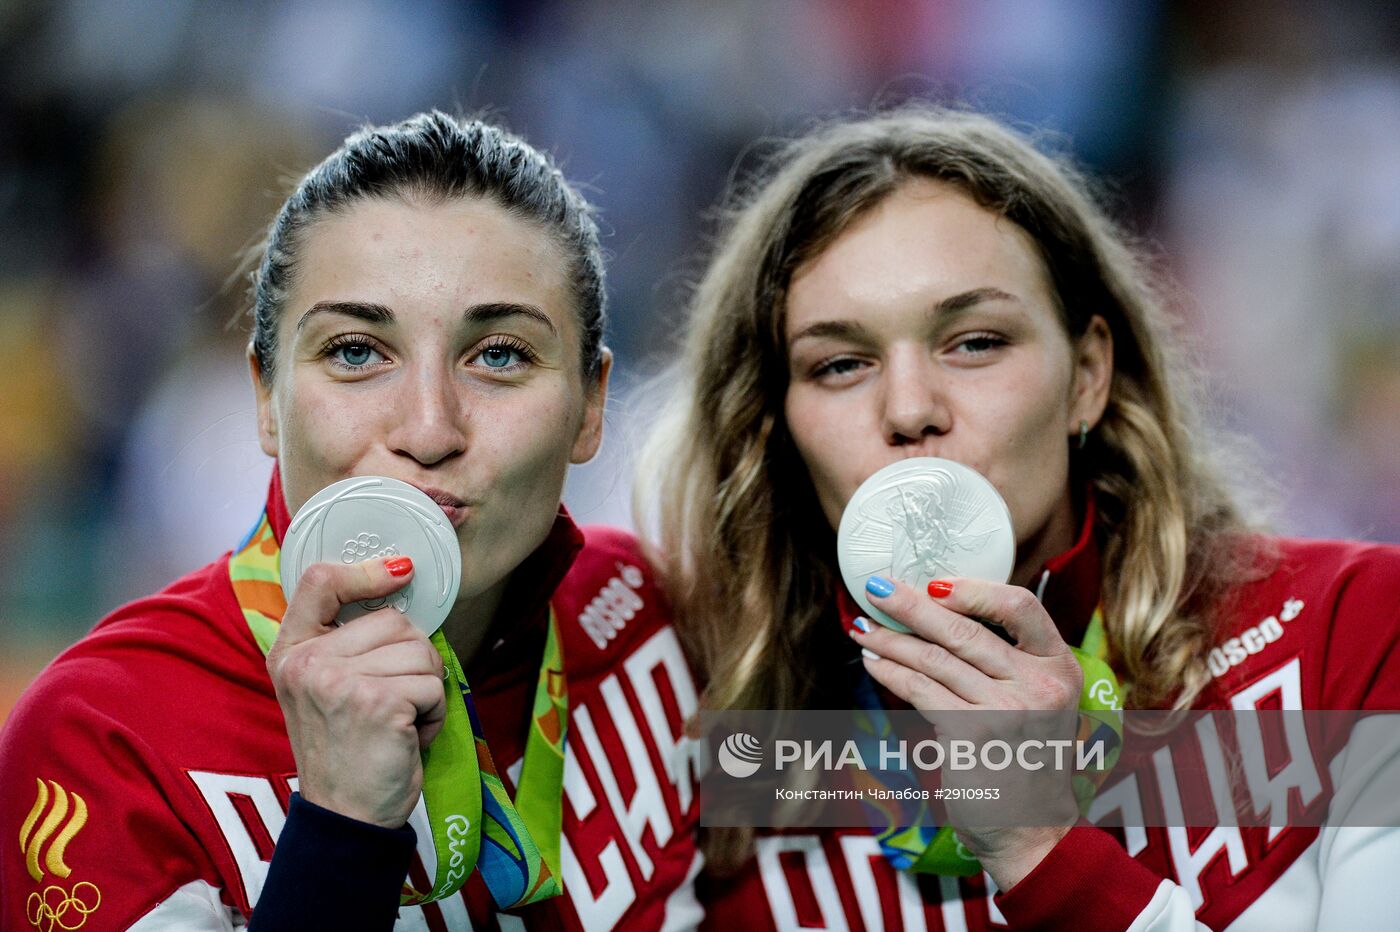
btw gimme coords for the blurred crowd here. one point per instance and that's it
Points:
(145, 144)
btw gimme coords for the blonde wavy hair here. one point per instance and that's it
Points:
(733, 519)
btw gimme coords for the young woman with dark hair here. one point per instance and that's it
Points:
(429, 308)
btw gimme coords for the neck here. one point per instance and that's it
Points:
(471, 621)
(1055, 537)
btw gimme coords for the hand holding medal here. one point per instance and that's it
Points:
(364, 700)
(377, 705)
(926, 546)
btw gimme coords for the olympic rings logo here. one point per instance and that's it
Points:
(365, 546)
(57, 908)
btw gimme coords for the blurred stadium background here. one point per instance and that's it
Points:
(145, 143)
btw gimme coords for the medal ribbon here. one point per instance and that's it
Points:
(475, 824)
(908, 837)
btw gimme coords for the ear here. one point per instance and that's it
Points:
(590, 432)
(1093, 375)
(267, 406)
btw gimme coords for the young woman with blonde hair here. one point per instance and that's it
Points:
(929, 283)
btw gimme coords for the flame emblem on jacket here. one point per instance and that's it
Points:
(64, 815)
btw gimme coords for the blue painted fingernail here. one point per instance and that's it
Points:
(862, 624)
(880, 586)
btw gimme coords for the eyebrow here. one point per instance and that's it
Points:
(850, 329)
(374, 313)
(476, 314)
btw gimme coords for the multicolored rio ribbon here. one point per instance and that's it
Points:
(475, 824)
(904, 826)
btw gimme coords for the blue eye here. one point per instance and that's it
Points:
(351, 353)
(356, 354)
(499, 357)
(505, 355)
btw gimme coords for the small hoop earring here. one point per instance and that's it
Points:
(1083, 433)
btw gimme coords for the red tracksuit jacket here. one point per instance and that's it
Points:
(151, 767)
(1322, 631)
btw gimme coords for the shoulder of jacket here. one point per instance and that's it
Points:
(1319, 572)
(1324, 559)
(140, 651)
(1332, 605)
(610, 598)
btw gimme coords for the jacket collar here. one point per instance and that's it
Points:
(1069, 584)
(531, 585)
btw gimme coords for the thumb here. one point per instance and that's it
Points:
(325, 587)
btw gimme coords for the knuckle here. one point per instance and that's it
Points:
(905, 683)
(960, 633)
(368, 571)
(318, 575)
(1050, 692)
(932, 657)
(887, 675)
(327, 681)
(1067, 695)
(276, 663)
(404, 629)
(289, 668)
(1021, 601)
(921, 699)
(433, 690)
(361, 694)
(1074, 676)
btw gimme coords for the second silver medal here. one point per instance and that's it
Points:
(922, 519)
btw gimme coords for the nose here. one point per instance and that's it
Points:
(430, 424)
(915, 406)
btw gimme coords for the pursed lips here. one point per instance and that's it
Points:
(455, 508)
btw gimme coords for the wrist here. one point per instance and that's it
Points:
(1014, 860)
(350, 809)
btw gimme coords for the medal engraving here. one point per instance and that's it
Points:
(375, 516)
(921, 529)
(923, 519)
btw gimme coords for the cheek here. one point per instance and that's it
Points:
(321, 435)
(530, 446)
(832, 437)
(521, 456)
(1032, 487)
(1028, 461)
(317, 427)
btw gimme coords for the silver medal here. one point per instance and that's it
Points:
(374, 516)
(923, 519)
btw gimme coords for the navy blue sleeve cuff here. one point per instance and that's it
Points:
(330, 871)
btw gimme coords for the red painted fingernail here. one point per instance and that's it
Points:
(940, 588)
(399, 566)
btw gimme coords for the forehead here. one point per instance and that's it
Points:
(431, 259)
(925, 241)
